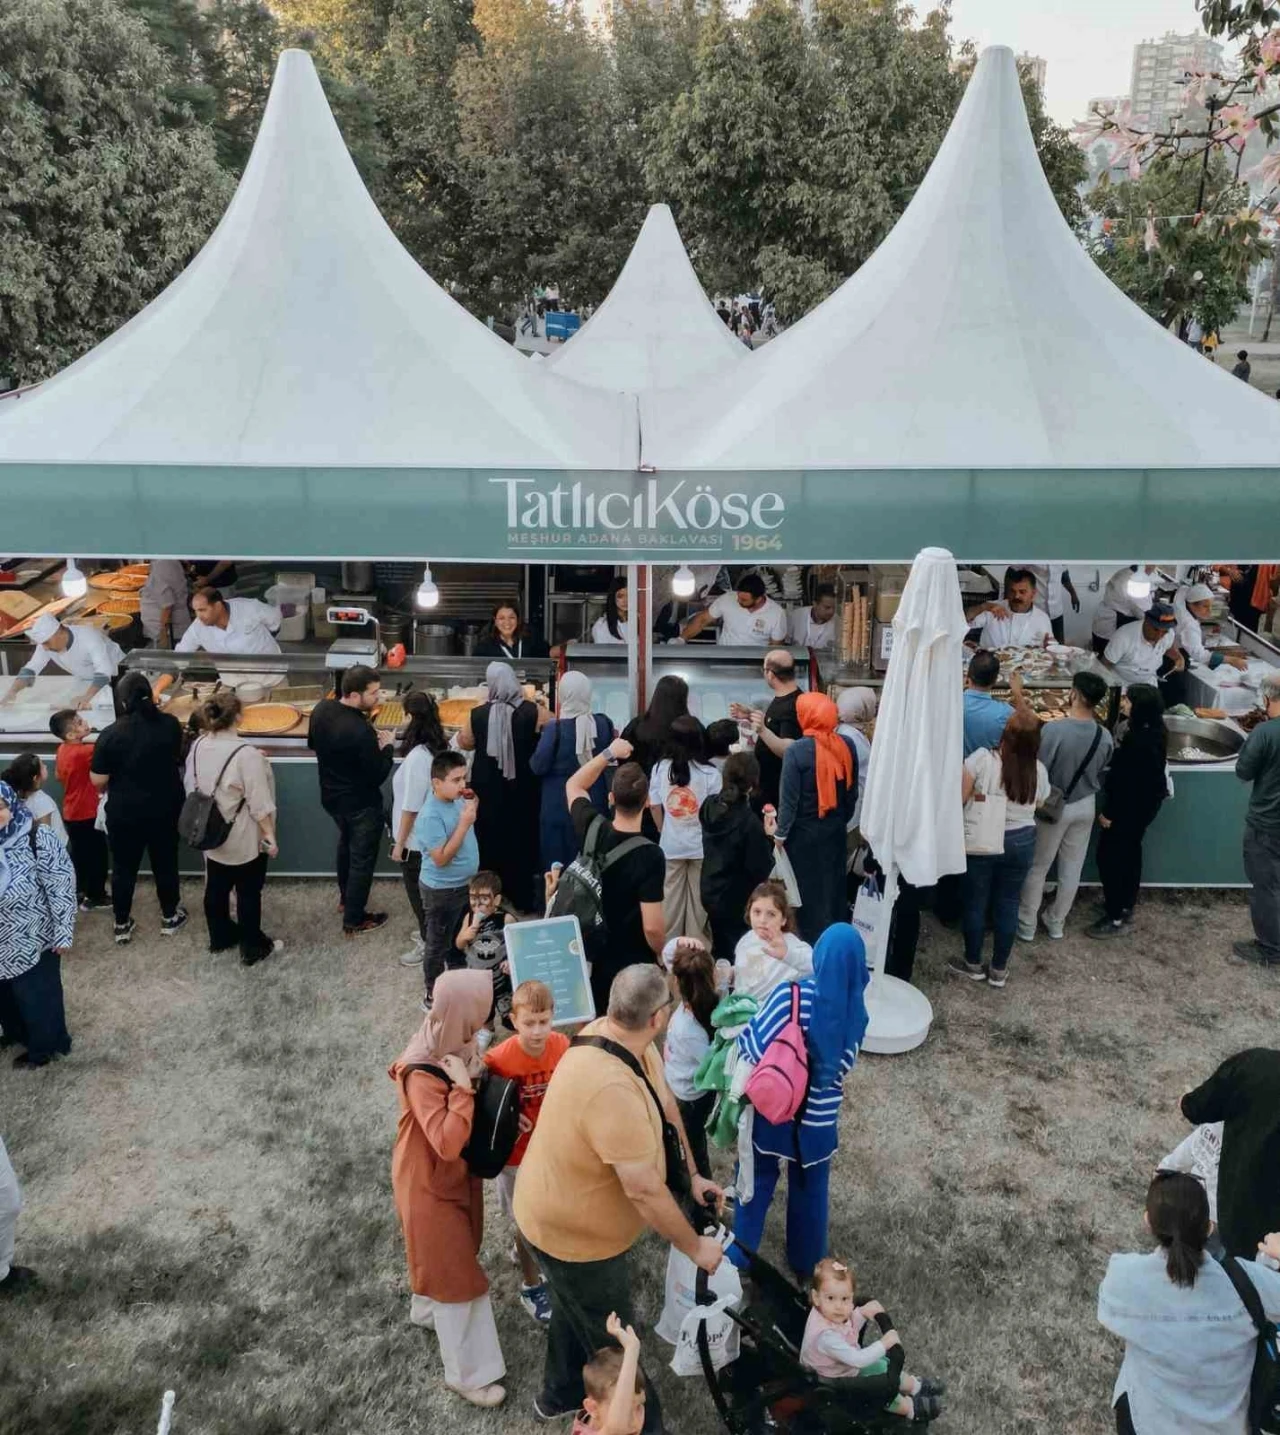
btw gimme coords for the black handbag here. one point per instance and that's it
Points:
(679, 1182)
(200, 823)
(1050, 810)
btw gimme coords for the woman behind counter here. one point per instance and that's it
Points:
(612, 628)
(566, 744)
(508, 637)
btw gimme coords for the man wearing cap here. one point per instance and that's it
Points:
(1192, 606)
(1137, 652)
(85, 653)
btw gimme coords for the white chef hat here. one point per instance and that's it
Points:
(1197, 593)
(44, 627)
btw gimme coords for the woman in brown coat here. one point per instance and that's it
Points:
(439, 1202)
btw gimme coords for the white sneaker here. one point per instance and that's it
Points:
(1056, 930)
(415, 955)
(1026, 934)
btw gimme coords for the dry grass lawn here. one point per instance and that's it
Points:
(209, 1205)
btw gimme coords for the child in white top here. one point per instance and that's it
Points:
(27, 775)
(689, 1034)
(831, 1346)
(770, 953)
(681, 783)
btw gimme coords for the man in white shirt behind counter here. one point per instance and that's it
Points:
(1016, 622)
(747, 617)
(1137, 652)
(85, 653)
(230, 625)
(815, 627)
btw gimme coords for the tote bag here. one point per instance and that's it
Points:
(985, 812)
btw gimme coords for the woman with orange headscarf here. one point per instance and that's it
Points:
(439, 1202)
(819, 793)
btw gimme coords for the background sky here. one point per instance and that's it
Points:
(1088, 43)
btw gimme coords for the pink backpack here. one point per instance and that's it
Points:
(778, 1086)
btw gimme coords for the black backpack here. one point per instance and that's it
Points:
(200, 823)
(580, 892)
(1264, 1390)
(495, 1121)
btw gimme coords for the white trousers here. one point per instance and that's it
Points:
(468, 1341)
(1068, 841)
(10, 1208)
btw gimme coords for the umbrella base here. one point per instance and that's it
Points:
(899, 1016)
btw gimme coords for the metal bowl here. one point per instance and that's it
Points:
(1205, 735)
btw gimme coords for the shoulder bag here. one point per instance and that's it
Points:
(679, 1182)
(201, 823)
(1264, 1388)
(984, 815)
(1050, 810)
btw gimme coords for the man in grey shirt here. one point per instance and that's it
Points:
(1075, 751)
(1259, 763)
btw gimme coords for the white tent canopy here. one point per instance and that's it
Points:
(657, 327)
(980, 334)
(304, 333)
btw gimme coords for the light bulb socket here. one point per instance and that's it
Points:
(74, 583)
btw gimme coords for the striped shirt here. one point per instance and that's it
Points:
(819, 1128)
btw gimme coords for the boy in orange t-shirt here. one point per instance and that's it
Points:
(529, 1058)
(80, 799)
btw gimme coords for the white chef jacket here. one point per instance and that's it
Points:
(1191, 637)
(1116, 600)
(741, 629)
(90, 654)
(1050, 594)
(1018, 630)
(600, 631)
(1133, 657)
(805, 633)
(166, 587)
(250, 628)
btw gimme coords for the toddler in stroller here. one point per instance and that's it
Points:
(832, 1343)
(772, 1387)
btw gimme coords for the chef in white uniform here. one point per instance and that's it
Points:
(1137, 651)
(85, 653)
(1192, 605)
(1117, 606)
(815, 627)
(1053, 582)
(1015, 622)
(230, 625)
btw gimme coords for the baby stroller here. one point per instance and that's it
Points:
(767, 1389)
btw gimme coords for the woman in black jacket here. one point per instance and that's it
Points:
(737, 854)
(1132, 790)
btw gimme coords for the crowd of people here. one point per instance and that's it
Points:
(722, 858)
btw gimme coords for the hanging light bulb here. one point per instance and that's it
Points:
(1138, 587)
(428, 593)
(74, 583)
(683, 584)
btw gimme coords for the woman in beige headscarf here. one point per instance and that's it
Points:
(439, 1202)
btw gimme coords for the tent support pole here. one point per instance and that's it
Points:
(638, 641)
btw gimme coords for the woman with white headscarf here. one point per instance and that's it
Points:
(503, 733)
(856, 708)
(567, 743)
(439, 1201)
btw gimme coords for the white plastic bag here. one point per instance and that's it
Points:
(868, 915)
(784, 872)
(681, 1294)
(723, 1338)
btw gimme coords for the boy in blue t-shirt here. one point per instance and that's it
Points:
(444, 833)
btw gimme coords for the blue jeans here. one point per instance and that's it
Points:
(807, 1195)
(996, 882)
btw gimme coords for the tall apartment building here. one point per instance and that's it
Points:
(1159, 74)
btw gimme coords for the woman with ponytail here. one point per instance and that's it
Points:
(422, 743)
(737, 854)
(1189, 1341)
(819, 794)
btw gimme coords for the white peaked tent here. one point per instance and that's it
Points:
(656, 328)
(304, 333)
(979, 334)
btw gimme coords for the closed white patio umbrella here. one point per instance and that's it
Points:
(911, 813)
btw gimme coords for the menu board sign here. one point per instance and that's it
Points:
(550, 950)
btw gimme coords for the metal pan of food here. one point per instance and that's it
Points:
(1199, 741)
